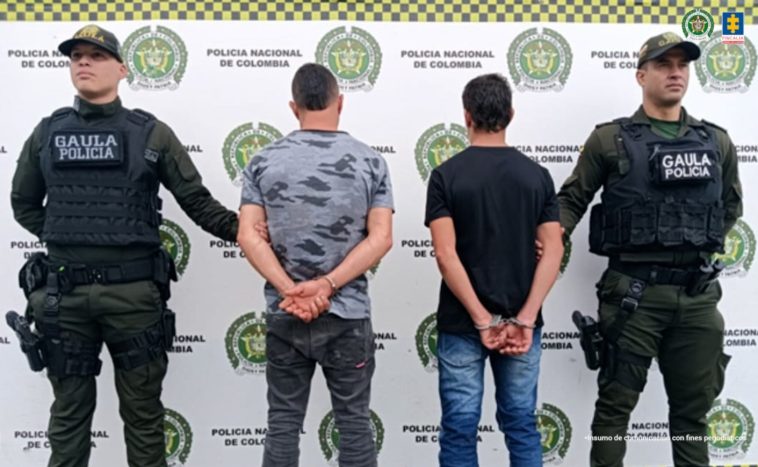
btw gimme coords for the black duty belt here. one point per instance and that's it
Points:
(653, 274)
(73, 274)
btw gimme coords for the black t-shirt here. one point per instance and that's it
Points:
(496, 197)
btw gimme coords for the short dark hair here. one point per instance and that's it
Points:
(314, 87)
(487, 98)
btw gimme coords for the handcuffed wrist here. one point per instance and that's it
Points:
(495, 321)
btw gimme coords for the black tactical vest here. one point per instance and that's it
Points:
(102, 184)
(668, 196)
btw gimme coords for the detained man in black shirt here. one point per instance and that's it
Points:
(486, 207)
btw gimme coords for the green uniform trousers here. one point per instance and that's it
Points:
(685, 335)
(108, 313)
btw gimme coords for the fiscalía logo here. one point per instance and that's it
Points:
(555, 433)
(726, 68)
(175, 241)
(178, 437)
(329, 437)
(438, 144)
(733, 27)
(739, 250)
(697, 25)
(730, 430)
(156, 58)
(246, 344)
(426, 342)
(242, 144)
(353, 55)
(539, 61)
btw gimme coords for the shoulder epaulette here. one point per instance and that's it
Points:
(713, 125)
(62, 112)
(140, 116)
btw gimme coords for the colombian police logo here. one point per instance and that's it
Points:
(539, 61)
(176, 243)
(697, 25)
(246, 344)
(329, 437)
(371, 273)
(555, 433)
(437, 145)
(353, 56)
(156, 59)
(726, 68)
(178, 437)
(730, 430)
(426, 342)
(566, 254)
(739, 250)
(242, 144)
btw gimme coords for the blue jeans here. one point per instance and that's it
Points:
(461, 386)
(345, 350)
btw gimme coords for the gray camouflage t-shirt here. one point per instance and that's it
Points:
(317, 188)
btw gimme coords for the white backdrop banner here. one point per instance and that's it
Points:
(224, 87)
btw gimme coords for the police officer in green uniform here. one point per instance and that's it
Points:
(87, 184)
(670, 194)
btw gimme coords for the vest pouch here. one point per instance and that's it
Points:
(596, 229)
(695, 224)
(716, 228)
(642, 219)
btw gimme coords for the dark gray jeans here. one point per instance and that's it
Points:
(345, 350)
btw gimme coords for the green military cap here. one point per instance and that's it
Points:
(96, 35)
(662, 43)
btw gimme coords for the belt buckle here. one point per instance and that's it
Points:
(96, 275)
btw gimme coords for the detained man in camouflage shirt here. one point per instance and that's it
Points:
(670, 195)
(87, 184)
(327, 199)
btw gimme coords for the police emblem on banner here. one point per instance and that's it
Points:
(175, 241)
(726, 68)
(438, 144)
(730, 430)
(156, 59)
(246, 344)
(697, 25)
(567, 245)
(329, 437)
(739, 250)
(539, 61)
(555, 433)
(242, 144)
(178, 437)
(371, 273)
(426, 342)
(353, 55)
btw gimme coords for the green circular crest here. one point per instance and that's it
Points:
(246, 344)
(739, 250)
(567, 245)
(371, 273)
(426, 342)
(155, 58)
(726, 68)
(329, 437)
(555, 433)
(352, 55)
(178, 437)
(176, 242)
(730, 430)
(539, 61)
(697, 25)
(242, 144)
(438, 144)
